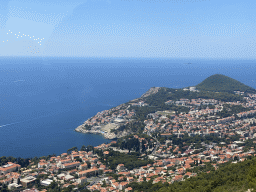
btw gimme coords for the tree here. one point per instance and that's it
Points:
(85, 190)
(72, 149)
(4, 188)
(68, 189)
(83, 148)
(37, 183)
(88, 164)
(53, 186)
(252, 177)
(104, 184)
(79, 159)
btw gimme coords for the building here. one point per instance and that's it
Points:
(68, 177)
(82, 180)
(120, 167)
(30, 190)
(71, 165)
(46, 182)
(28, 181)
(61, 176)
(13, 186)
(89, 172)
(9, 167)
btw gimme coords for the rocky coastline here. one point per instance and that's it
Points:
(98, 130)
(81, 129)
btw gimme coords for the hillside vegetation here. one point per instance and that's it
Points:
(165, 94)
(229, 177)
(222, 83)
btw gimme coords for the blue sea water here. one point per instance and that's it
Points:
(42, 100)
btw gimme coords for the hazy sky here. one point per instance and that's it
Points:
(129, 28)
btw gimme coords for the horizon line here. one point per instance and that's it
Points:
(144, 58)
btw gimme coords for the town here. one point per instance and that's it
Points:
(172, 148)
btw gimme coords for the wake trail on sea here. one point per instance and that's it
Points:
(25, 120)
(18, 81)
(9, 124)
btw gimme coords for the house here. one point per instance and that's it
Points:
(82, 180)
(83, 166)
(71, 165)
(46, 182)
(120, 167)
(178, 178)
(61, 176)
(42, 164)
(115, 185)
(122, 185)
(130, 179)
(13, 186)
(28, 181)
(30, 190)
(128, 189)
(9, 167)
(68, 177)
(89, 172)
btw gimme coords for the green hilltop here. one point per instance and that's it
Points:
(222, 83)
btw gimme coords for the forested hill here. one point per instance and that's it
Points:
(219, 87)
(222, 83)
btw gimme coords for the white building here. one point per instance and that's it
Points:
(46, 182)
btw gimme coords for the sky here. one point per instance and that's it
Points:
(214, 29)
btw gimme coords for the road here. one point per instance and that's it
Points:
(94, 180)
(157, 144)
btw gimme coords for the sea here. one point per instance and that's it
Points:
(42, 100)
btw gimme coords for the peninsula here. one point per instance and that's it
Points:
(161, 104)
(113, 123)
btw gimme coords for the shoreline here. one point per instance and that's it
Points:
(106, 135)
